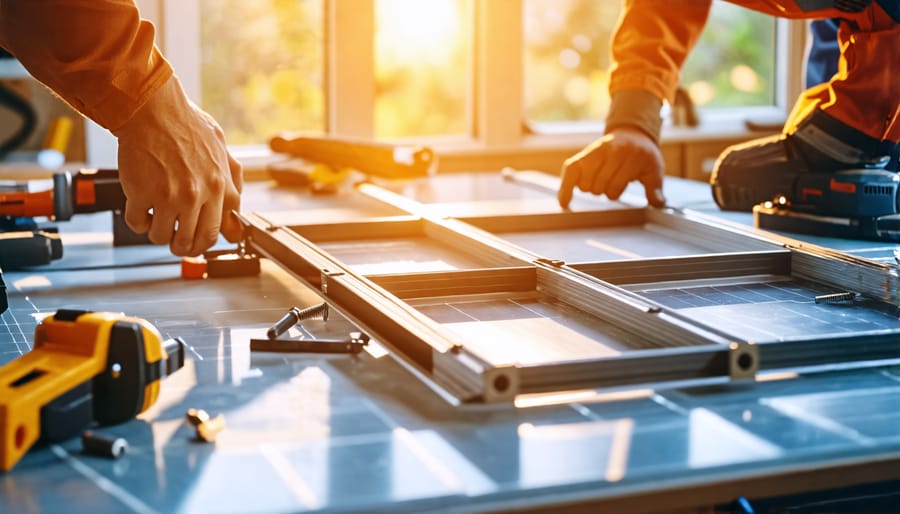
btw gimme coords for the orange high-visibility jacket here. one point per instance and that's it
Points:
(98, 55)
(654, 37)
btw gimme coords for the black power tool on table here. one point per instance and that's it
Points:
(824, 179)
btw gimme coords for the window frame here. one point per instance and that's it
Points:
(496, 113)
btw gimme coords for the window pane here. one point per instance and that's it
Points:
(262, 66)
(567, 59)
(421, 67)
(733, 64)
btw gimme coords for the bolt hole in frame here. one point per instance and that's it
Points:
(488, 291)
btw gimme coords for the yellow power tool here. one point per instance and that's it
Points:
(85, 368)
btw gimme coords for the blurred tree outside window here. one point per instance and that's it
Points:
(422, 67)
(262, 66)
(567, 59)
(733, 65)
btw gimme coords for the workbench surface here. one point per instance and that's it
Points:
(343, 433)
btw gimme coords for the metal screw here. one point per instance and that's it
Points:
(834, 298)
(296, 315)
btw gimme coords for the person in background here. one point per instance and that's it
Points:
(180, 182)
(822, 63)
(850, 120)
(824, 51)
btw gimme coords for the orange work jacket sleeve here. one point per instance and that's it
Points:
(649, 46)
(652, 41)
(654, 37)
(98, 55)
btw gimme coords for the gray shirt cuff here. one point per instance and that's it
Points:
(637, 109)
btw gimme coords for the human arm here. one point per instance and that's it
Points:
(651, 42)
(100, 57)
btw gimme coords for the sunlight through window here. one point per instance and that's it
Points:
(422, 67)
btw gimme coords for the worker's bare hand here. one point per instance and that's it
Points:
(173, 160)
(607, 165)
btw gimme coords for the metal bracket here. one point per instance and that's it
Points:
(353, 344)
(324, 279)
(743, 360)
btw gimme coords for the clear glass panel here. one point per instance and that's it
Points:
(422, 67)
(567, 59)
(262, 66)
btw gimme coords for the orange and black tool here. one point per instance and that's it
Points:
(85, 368)
(51, 203)
(88, 190)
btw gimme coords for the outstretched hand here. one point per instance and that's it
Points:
(607, 165)
(173, 161)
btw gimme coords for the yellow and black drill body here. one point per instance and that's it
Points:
(85, 368)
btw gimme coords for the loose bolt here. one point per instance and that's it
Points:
(834, 298)
(296, 315)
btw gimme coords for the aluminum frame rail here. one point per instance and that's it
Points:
(462, 376)
(683, 349)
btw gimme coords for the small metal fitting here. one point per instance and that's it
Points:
(837, 298)
(205, 427)
(196, 417)
(93, 443)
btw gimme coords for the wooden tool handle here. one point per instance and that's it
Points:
(377, 159)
